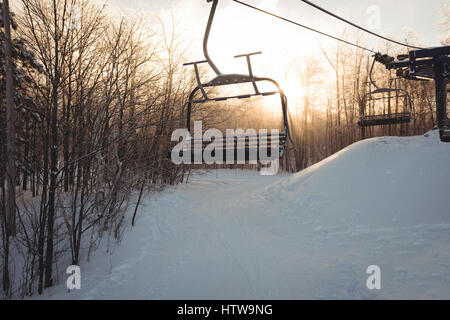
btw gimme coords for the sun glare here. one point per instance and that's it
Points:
(236, 31)
(293, 89)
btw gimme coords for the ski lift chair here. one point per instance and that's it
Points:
(384, 106)
(250, 145)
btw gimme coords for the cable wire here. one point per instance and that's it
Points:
(357, 26)
(303, 26)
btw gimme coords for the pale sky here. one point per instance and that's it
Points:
(397, 17)
(238, 29)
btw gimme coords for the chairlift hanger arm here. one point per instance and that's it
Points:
(222, 79)
(205, 45)
(206, 36)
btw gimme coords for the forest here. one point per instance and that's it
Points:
(89, 101)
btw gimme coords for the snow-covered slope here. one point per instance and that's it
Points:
(238, 235)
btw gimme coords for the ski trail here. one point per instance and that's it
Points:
(312, 235)
(229, 231)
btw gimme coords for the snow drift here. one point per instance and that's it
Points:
(238, 235)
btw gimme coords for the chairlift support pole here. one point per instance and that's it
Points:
(431, 64)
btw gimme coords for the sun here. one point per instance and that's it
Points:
(293, 89)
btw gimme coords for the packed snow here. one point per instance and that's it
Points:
(233, 234)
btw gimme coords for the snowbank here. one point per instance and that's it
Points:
(238, 235)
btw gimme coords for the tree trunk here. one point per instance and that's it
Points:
(53, 161)
(10, 126)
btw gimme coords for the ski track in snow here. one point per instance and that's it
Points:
(234, 234)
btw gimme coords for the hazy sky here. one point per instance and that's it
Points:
(238, 29)
(396, 17)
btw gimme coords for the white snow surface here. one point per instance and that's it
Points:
(235, 234)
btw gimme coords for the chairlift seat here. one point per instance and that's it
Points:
(385, 119)
(239, 147)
